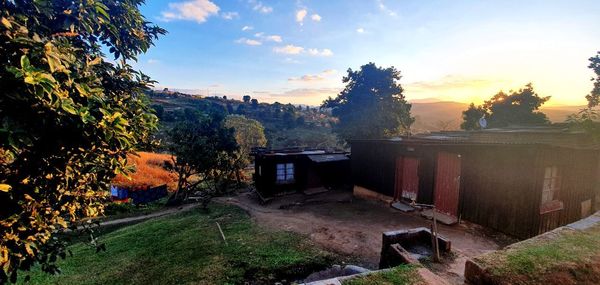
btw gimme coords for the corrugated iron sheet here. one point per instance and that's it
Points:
(447, 183)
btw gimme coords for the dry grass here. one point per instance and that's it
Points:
(149, 171)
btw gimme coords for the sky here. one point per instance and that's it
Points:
(298, 51)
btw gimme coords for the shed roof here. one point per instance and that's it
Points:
(545, 135)
(328, 157)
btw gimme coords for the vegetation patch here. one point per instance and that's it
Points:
(149, 171)
(568, 255)
(188, 248)
(400, 275)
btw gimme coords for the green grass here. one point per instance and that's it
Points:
(187, 248)
(538, 256)
(400, 275)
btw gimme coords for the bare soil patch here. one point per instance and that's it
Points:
(339, 222)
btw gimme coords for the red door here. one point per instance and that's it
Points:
(407, 178)
(447, 183)
(410, 178)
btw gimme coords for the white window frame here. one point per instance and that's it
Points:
(285, 173)
(551, 184)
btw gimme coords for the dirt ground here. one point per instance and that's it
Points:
(342, 223)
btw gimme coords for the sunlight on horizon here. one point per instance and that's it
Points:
(299, 52)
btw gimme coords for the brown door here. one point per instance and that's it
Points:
(447, 183)
(410, 178)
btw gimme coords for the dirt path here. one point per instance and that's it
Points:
(157, 214)
(339, 222)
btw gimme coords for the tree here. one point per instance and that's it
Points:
(254, 103)
(249, 133)
(68, 118)
(588, 119)
(371, 105)
(241, 109)
(471, 117)
(246, 98)
(201, 149)
(519, 108)
(594, 96)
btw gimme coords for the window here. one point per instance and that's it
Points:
(551, 185)
(285, 173)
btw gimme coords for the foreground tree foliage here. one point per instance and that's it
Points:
(371, 105)
(519, 108)
(68, 118)
(202, 148)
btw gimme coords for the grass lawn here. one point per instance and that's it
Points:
(574, 255)
(187, 248)
(400, 275)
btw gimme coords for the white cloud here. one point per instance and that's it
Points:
(289, 49)
(274, 38)
(230, 15)
(153, 61)
(316, 17)
(247, 28)
(249, 42)
(195, 10)
(300, 14)
(317, 52)
(385, 9)
(314, 77)
(270, 38)
(260, 7)
(360, 30)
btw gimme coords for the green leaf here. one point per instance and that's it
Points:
(67, 106)
(25, 62)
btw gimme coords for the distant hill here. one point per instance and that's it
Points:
(289, 125)
(285, 125)
(437, 116)
(447, 115)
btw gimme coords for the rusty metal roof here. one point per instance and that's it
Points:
(546, 135)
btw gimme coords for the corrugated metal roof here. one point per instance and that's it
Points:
(328, 157)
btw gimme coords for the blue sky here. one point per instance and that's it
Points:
(298, 51)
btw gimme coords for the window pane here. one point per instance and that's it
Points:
(281, 172)
(548, 172)
(280, 166)
(289, 177)
(290, 166)
(554, 171)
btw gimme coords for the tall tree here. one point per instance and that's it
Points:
(594, 96)
(371, 105)
(588, 119)
(249, 133)
(471, 117)
(68, 117)
(519, 108)
(201, 148)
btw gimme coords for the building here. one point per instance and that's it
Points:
(277, 172)
(520, 181)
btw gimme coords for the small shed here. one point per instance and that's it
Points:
(520, 181)
(277, 172)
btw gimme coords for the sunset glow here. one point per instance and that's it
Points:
(298, 51)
